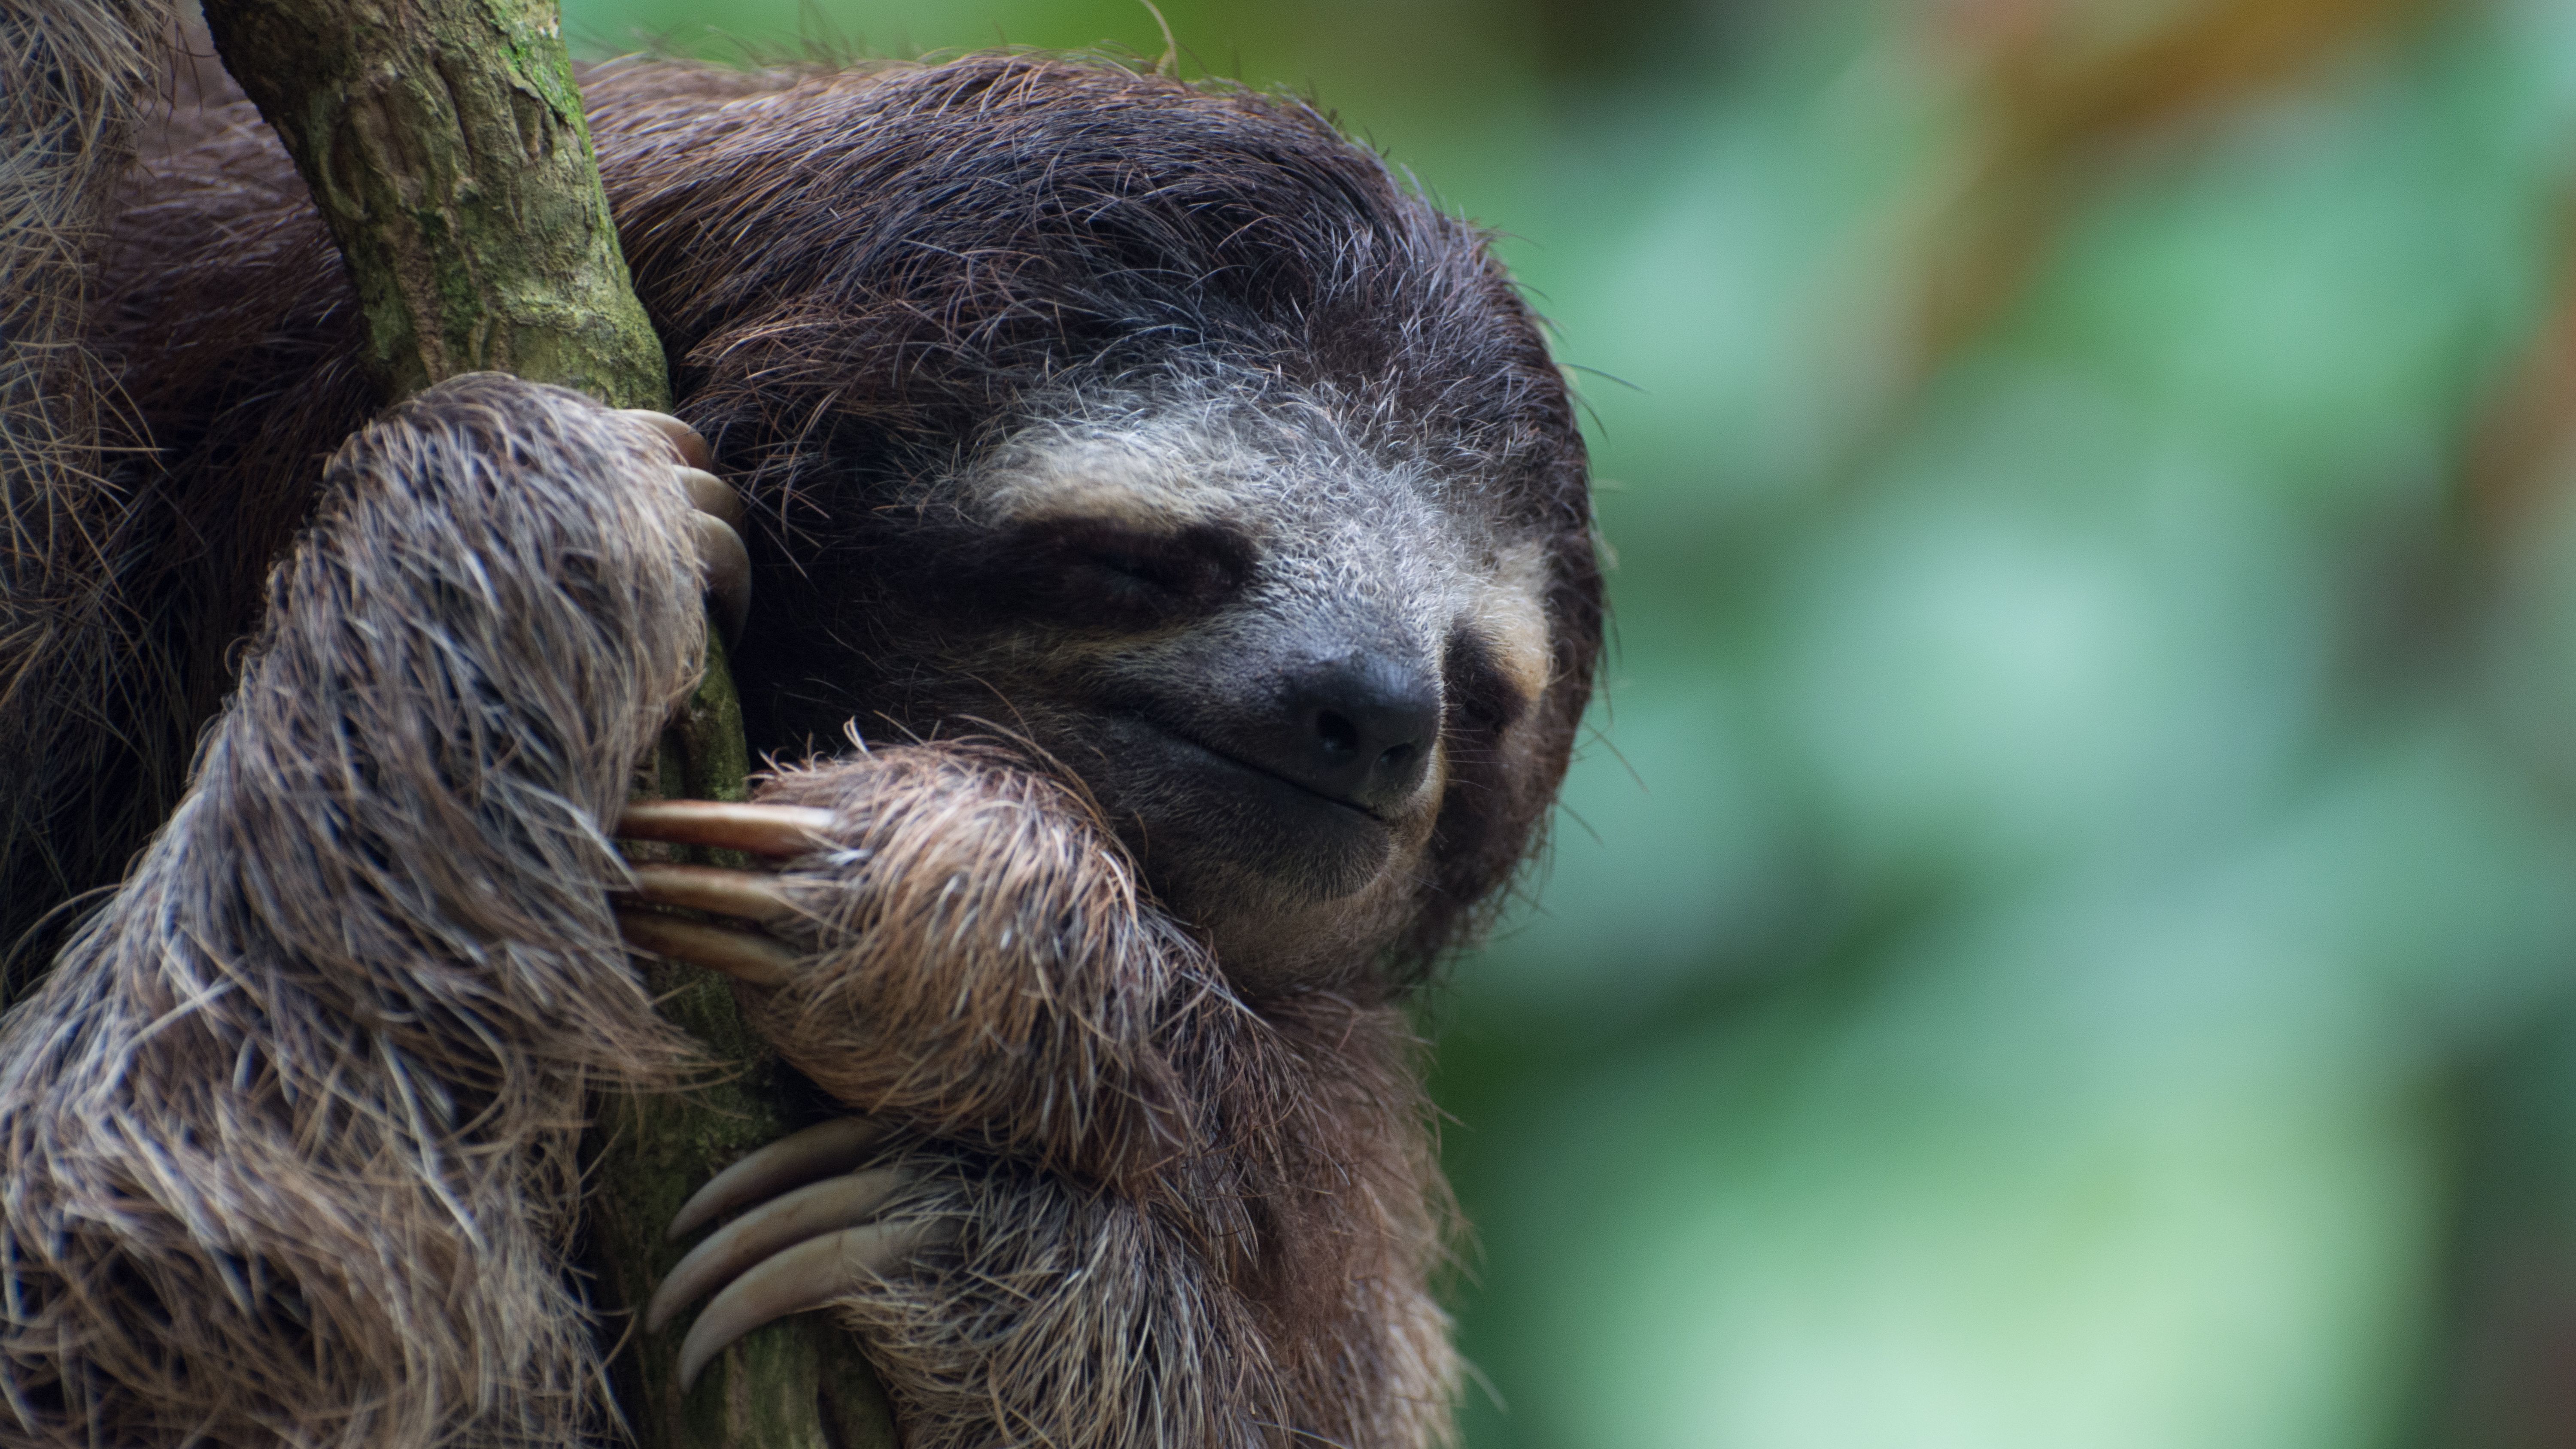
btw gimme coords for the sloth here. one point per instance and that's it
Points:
(1171, 602)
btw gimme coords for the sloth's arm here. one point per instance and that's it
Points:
(289, 1128)
(1233, 1245)
(968, 957)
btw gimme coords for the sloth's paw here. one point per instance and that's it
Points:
(815, 1231)
(723, 562)
(753, 898)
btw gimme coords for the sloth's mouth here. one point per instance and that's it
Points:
(1240, 763)
(1189, 808)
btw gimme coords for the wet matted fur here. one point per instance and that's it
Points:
(290, 1118)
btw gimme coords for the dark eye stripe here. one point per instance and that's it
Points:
(1107, 572)
(1482, 696)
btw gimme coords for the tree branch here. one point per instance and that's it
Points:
(445, 146)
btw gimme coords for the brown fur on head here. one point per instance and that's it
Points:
(1111, 410)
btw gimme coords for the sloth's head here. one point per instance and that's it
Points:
(1160, 426)
(1295, 665)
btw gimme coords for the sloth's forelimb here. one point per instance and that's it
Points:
(307, 1090)
(980, 963)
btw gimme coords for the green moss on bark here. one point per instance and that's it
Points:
(445, 145)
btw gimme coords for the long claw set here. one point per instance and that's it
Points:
(808, 1212)
(722, 559)
(811, 1239)
(804, 1277)
(813, 1236)
(754, 898)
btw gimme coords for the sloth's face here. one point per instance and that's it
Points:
(1270, 656)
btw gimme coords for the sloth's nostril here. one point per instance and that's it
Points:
(1340, 738)
(1358, 729)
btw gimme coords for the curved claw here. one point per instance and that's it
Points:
(808, 1212)
(713, 495)
(726, 566)
(685, 440)
(825, 1149)
(722, 559)
(778, 830)
(748, 894)
(806, 1276)
(743, 955)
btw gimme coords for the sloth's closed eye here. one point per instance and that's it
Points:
(1096, 571)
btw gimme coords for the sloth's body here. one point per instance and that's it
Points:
(1153, 427)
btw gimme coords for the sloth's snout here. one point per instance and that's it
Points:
(1358, 729)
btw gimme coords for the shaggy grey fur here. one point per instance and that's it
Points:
(290, 1126)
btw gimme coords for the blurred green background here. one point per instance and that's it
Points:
(2064, 934)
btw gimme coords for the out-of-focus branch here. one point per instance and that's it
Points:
(2051, 102)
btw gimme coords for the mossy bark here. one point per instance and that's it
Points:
(445, 145)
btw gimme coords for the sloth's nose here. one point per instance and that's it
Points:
(1360, 729)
